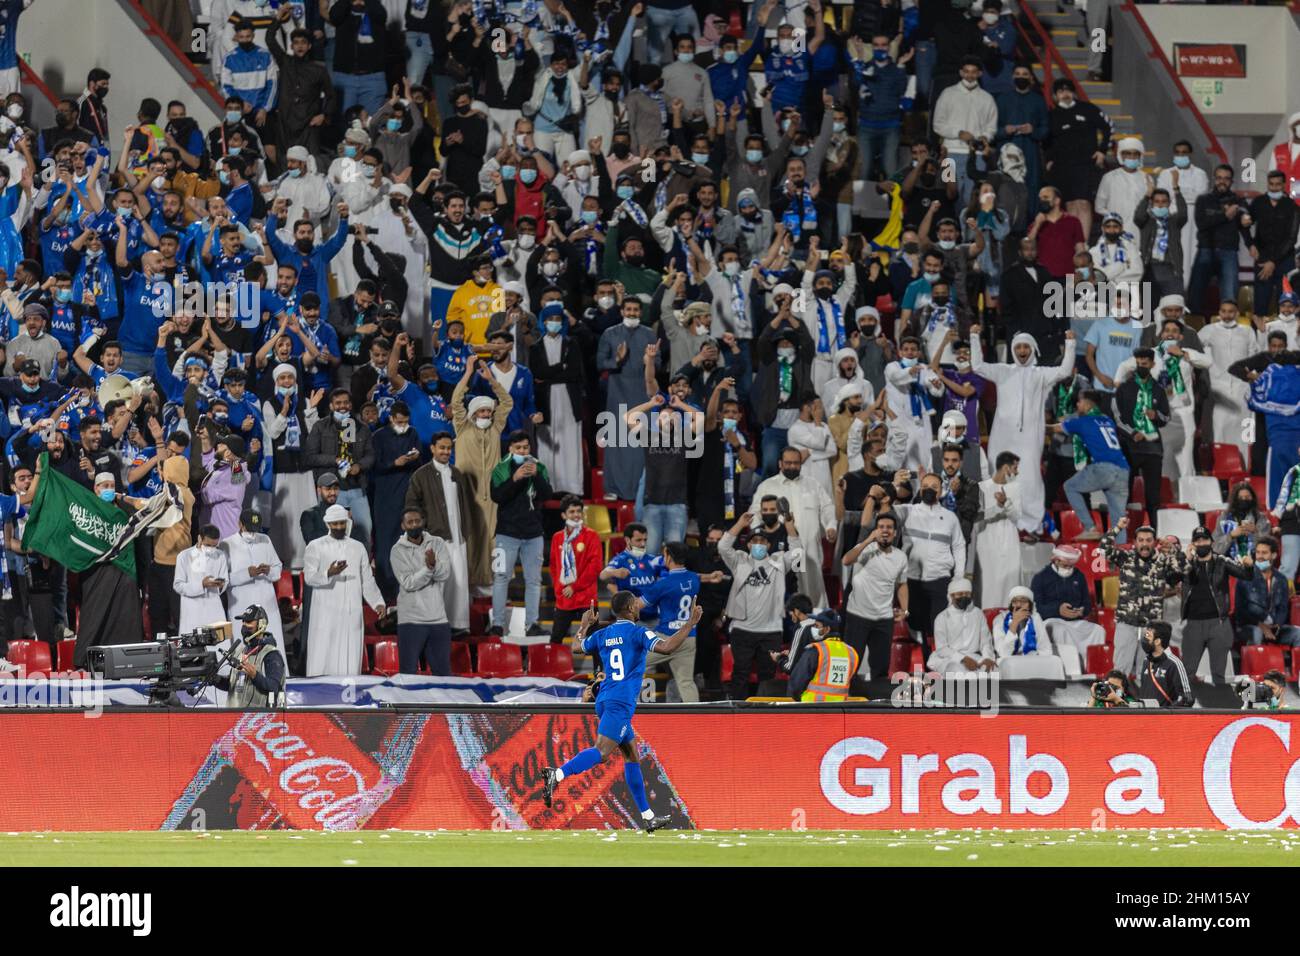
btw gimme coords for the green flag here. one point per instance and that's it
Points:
(73, 526)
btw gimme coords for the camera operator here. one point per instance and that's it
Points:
(1113, 691)
(1267, 694)
(260, 673)
(1163, 678)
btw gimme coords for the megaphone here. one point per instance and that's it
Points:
(119, 388)
(114, 388)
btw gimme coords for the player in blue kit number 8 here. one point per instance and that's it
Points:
(622, 647)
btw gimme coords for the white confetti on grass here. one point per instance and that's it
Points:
(942, 847)
(972, 856)
(349, 862)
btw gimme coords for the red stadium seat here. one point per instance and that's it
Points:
(1295, 609)
(626, 511)
(66, 650)
(550, 660)
(1167, 492)
(1258, 659)
(461, 665)
(370, 619)
(1226, 463)
(1072, 527)
(728, 663)
(284, 586)
(1212, 520)
(500, 661)
(901, 632)
(1260, 484)
(1106, 618)
(903, 655)
(386, 661)
(1101, 659)
(33, 656)
(992, 613)
(480, 617)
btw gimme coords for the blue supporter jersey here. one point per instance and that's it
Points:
(1100, 438)
(673, 594)
(10, 10)
(55, 241)
(428, 413)
(145, 303)
(645, 571)
(622, 647)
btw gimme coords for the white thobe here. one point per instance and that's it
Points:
(1120, 191)
(392, 236)
(559, 441)
(898, 393)
(814, 514)
(1019, 423)
(335, 636)
(1192, 181)
(456, 594)
(309, 196)
(958, 635)
(819, 318)
(246, 590)
(200, 606)
(997, 542)
(818, 441)
(1004, 640)
(1226, 344)
(1287, 324)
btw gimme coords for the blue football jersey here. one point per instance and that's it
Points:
(673, 595)
(622, 647)
(645, 571)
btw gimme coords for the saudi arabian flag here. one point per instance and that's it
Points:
(72, 525)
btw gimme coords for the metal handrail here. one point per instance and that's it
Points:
(32, 78)
(198, 82)
(1157, 53)
(1050, 55)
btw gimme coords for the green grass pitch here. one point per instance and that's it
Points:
(950, 848)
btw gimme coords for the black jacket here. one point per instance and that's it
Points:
(1147, 228)
(1273, 230)
(567, 372)
(1023, 300)
(1220, 569)
(519, 503)
(350, 55)
(1214, 230)
(1125, 402)
(312, 525)
(767, 379)
(305, 90)
(520, 89)
(1163, 679)
(321, 451)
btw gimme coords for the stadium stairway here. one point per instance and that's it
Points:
(1059, 33)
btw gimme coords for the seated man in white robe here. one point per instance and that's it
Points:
(337, 569)
(1063, 597)
(1019, 633)
(962, 643)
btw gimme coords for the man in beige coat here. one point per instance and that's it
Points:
(479, 424)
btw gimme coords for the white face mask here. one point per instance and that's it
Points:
(521, 140)
(990, 18)
(701, 329)
(550, 269)
(482, 423)
(731, 267)
(1063, 572)
(583, 173)
(159, 184)
(604, 302)
(15, 111)
(631, 323)
(573, 523)
(248, 536)
(636, 552)
(526, 240)
(401, 429)
(970, 84)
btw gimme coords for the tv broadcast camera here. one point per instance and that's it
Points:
(1255, 694)
(185, 662)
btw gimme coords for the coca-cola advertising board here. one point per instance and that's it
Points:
(730, 770)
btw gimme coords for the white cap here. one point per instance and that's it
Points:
(480, 401)
(335, 513)
(783, 288)
(1295, 118)
(1020, 592)
(105, 478)
(1127, 143)
(848, 391)
(870, 310)
(400, 189)
(579, 156)
(357, 135)
(958, 586)
(298, 153)
(515, 286)
(1170, 301)
(284, 368)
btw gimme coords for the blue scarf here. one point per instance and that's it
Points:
(837, 314)
(1030, 639)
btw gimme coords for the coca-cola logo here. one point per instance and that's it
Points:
(330, 788)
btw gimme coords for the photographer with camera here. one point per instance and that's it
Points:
(257, 678)
(1164, 679)
(1113, 691)
(1266, 694)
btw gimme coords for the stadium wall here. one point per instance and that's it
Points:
(480, 769)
